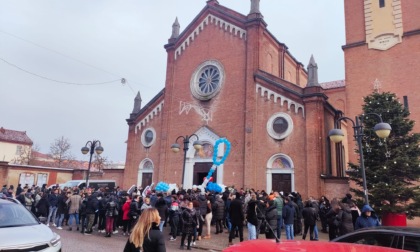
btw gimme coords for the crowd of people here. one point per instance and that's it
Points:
(190, 214)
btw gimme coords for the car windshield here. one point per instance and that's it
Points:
(70, 184)
(15, 215)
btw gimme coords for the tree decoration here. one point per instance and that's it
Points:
(392, 166)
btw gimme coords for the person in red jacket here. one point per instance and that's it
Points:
(126, 217)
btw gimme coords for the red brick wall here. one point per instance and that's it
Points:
(239, 113)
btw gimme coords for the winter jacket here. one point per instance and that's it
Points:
(110, 208)
(345, 219)
(152, 243)
(162, 208)
(251, 213)
(53, 199)
(364, 221)
(271, 217)
(92, 204)
(74, 203)
(42, 207)
(203, 204)
(236, 212)
(126, 210)
(289, 213)
(278, 202)
(309, 216)
(61, 204)
(134, 210)
(219, 209)
(189, 220)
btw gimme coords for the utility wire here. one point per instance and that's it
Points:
(122, 80)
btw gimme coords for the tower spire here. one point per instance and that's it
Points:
(175, 29)
(137, 103)
(312, 73)
(255, 7)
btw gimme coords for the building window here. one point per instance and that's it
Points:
(207, 80)
(27, 179)
(148, 137)
(148, 165)
(18, 149)
(279, 126)
(41, 179)
(381, 3)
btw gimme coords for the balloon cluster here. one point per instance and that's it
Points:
(215, 161)
(214, 187)
(216, 148)
(162, 187)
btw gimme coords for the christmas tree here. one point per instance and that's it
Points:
(391, 164)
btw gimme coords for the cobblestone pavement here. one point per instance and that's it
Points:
(75, 241)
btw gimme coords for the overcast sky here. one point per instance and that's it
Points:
(91, 42)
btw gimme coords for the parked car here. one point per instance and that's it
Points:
(406, 238)
(20, 230)
(303, 246)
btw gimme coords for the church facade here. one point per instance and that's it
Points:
(228, 76)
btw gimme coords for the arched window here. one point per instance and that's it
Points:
(148, 165)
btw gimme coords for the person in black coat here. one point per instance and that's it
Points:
(333, 223)
(237, 218)
(288, 215)
(309, 215)
(219, 213)
(111, 212)
(42, 206)
(345, 219)
(162, 208)
(271, 220)
(189, 218)
(92, 206)
(146, 235)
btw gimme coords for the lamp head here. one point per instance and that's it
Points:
(336, 135)
(85, 150)
(198, 145)
(99, 150)
(175, 147)
(382, 129)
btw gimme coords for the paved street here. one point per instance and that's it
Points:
(75, 241)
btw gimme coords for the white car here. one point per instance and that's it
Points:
(20, 230)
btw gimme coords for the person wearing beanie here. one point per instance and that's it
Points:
(367, 218)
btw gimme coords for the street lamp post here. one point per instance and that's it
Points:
(91, 146)
(381, 129)
(176, 147)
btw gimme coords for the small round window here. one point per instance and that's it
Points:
(148, 137)
(207, 80)
(279, 126)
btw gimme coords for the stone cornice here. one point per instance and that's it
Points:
(155, 111)
(272, 95)
(210, 19)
